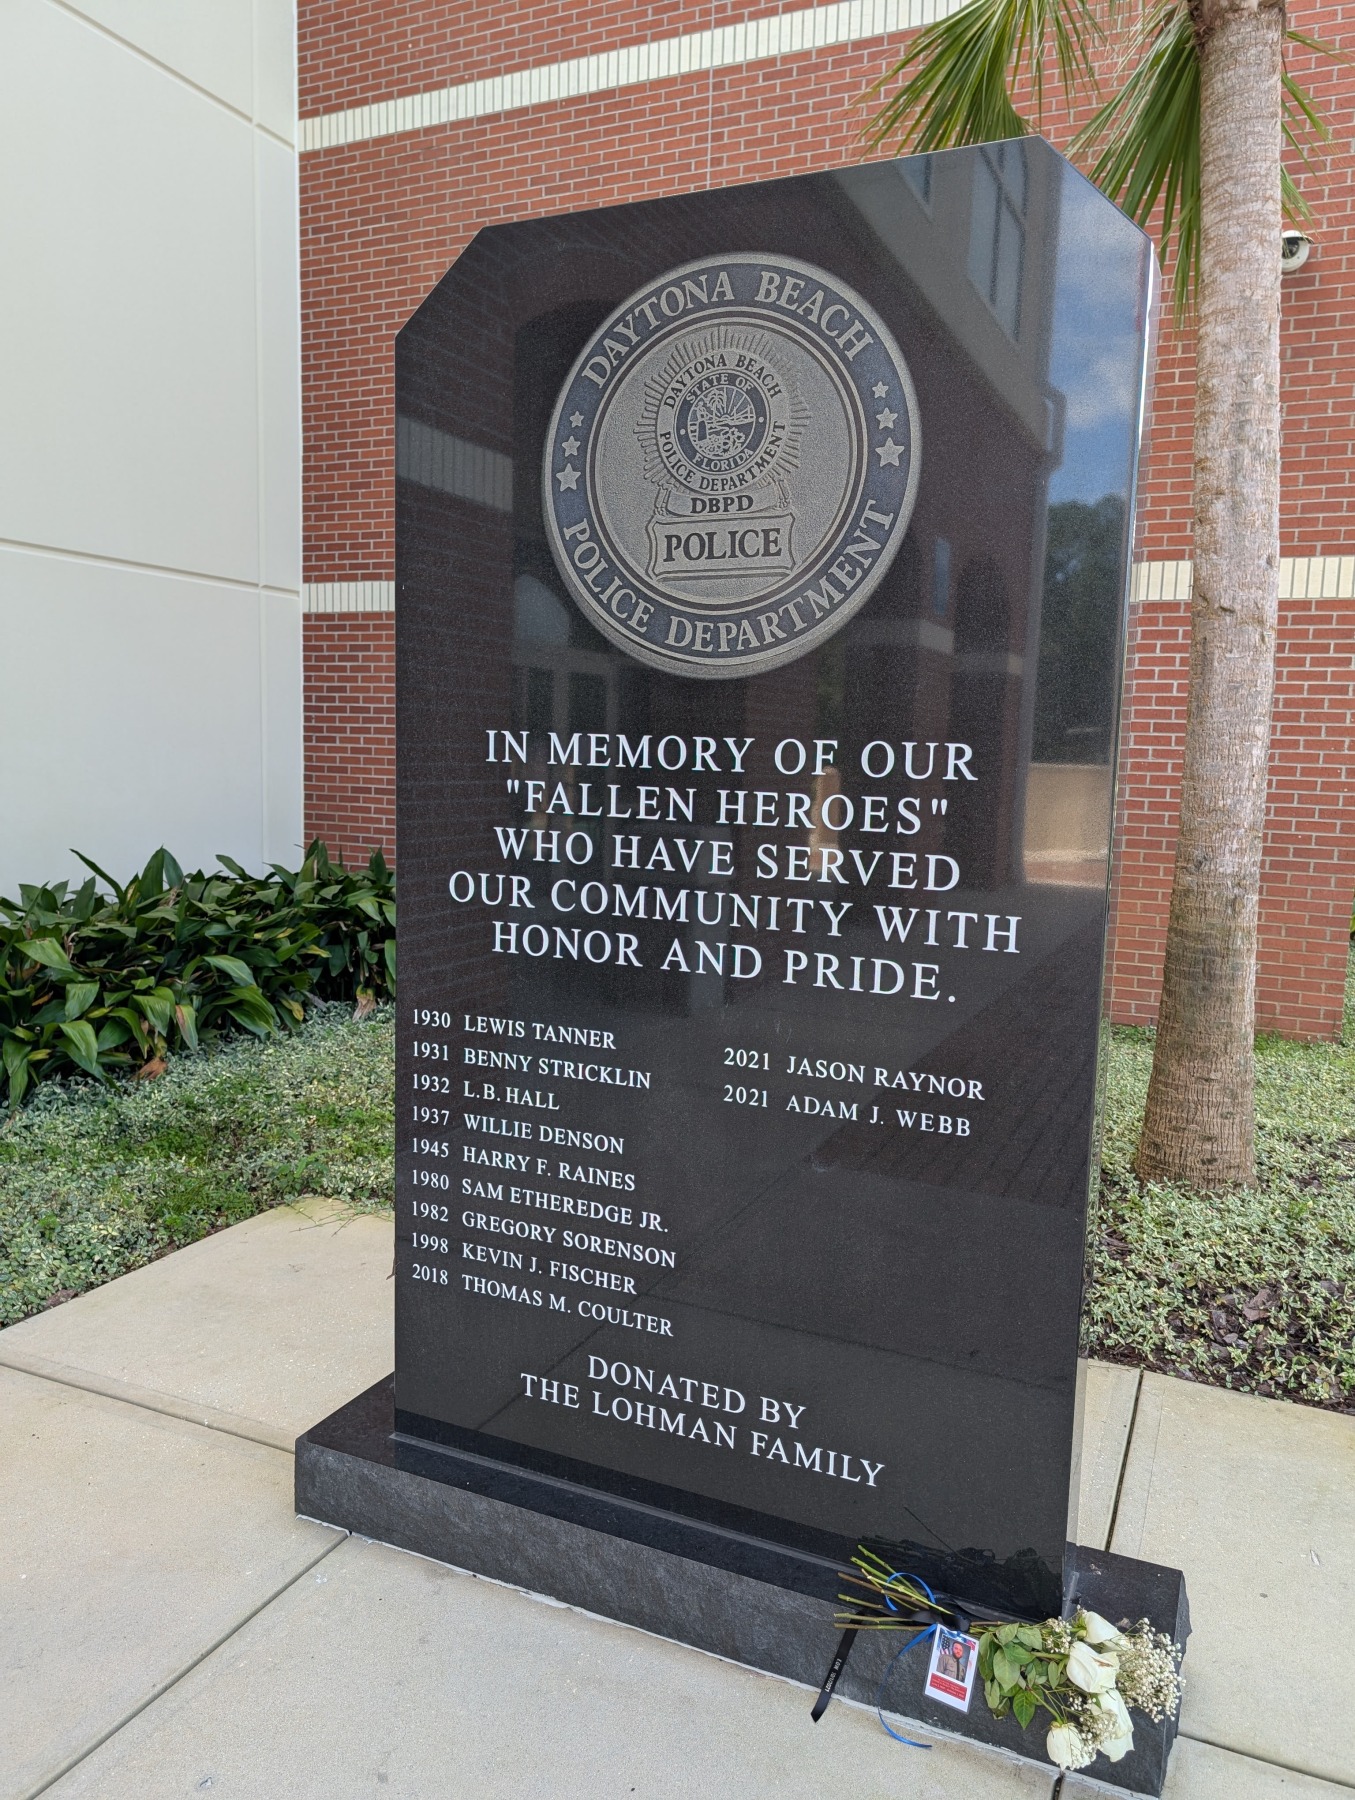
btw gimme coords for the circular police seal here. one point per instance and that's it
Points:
(731, 465)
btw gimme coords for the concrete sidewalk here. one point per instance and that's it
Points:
(172, 1629)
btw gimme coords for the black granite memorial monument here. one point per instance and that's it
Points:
(762, 570)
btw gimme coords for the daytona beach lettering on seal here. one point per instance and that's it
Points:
(731, 465)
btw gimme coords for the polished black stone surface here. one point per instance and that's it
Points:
(724, 1594)
(716, 1200)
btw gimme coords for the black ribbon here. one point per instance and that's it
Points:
(835, 1668)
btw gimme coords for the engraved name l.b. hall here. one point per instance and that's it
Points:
(731, 465)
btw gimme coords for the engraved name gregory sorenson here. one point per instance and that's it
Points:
(731, 465)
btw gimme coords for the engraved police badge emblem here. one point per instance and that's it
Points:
(731, 465)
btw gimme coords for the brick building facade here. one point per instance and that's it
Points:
(423, 120)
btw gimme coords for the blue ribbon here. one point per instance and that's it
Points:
(921, 1637)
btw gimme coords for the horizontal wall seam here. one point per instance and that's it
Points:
(164, 68)
(723, 47)
(1301, 577)
(164, 571)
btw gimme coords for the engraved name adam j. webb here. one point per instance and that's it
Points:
(731, 465)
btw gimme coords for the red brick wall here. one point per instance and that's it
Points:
(381, 221)
(1317, 514)
(349, 674)
(1309, 872)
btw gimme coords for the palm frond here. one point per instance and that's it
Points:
(954, 86)
(956, 75)
(1301, 120)
(1149, 134)
(1150, 137)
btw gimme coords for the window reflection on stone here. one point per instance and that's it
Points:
(997, 231)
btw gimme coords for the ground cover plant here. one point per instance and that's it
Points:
(108, 979)
(1253, 1290)
(98, 1178)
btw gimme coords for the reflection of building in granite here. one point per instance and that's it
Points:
(790, 1199)
(453, 521)
(948, 650)
(1068, 797)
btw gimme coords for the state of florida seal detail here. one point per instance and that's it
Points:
(731, 465)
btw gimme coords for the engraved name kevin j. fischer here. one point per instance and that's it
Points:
(731, 465)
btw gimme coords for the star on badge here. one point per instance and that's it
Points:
(880, 390)
(569, 478)
(889, 452)
(571, 444)
(886, 420)
(576, 419)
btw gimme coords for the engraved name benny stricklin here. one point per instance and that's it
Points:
(731, 465)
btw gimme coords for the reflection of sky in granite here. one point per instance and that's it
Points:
(1095, 355)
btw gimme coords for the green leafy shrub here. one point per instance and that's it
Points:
(104, 983)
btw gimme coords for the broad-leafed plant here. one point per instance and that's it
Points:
(106, 980)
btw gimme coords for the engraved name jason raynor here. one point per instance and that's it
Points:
(731, 465)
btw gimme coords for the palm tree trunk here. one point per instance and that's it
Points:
(1200, 1120)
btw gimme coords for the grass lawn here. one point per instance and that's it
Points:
(1254, 1290)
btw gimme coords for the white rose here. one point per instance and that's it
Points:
(1090, 1671)
(1123, 1740)
(1066, 1747)
(1100, 1631)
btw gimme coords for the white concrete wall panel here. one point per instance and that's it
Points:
(150, 437)
(279, 364)
(207, 42)
(274, 66)
(128, 347)
(282, 797)
(145, 727)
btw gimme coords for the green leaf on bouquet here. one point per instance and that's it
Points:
(1006, 1670)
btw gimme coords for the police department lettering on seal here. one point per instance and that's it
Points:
(731, 465)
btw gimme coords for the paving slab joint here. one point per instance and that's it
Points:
(128, 1393)
(1124, 1461)
(72, 1762)
(1311, 1771)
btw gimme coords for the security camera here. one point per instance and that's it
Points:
(1294, 251)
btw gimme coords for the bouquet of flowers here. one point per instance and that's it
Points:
(1084, 1672)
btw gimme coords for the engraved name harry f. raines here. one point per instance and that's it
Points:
(731, 465)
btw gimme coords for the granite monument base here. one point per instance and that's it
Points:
(753, 1602)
